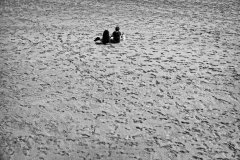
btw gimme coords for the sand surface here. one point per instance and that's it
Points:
(170, 91)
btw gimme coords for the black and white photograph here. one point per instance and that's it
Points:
(119, 79)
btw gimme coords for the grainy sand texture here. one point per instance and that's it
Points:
(170, 91)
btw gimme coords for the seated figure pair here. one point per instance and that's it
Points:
(115, 38)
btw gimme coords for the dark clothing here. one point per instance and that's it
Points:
(116, 37)
(97, 39)
(105, 38)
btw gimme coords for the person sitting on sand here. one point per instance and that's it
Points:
(105, 38)
(116, 36)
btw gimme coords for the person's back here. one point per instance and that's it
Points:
(116, 35)
(105, 37)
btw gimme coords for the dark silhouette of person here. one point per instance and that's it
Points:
(105, 38)
(116, 36)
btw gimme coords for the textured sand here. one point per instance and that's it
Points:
(170, 91)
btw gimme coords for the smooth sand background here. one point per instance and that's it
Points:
(170, 91)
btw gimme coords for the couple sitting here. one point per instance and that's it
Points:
(115, 38)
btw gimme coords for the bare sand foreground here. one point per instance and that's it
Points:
(170, 91)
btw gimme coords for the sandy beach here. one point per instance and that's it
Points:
(170, 91)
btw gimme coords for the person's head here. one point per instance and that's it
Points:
(105, 38)
(117, 28)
